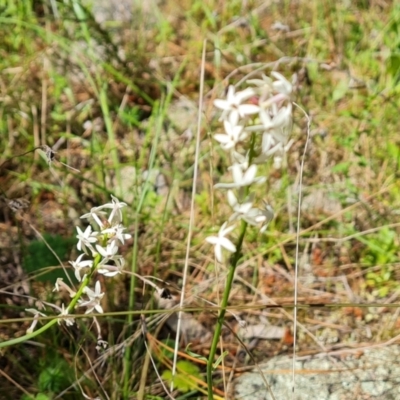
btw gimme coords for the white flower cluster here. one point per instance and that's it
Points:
(99, 243)
(257, 124)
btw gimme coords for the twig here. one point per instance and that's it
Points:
(191, 221)
(298, 228)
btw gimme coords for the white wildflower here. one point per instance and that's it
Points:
(116, 232)
(245, 211)
(281, 85)
(221, 241)
(81, 265)
(36, 315)
(233, 104)
(86, 238)
(115, 216)
(95, 297)
(242, 178)
(95, 215)
(232, 136)
(109, 251)
(65, 312)
(61, 285)
(240, 209)
(110, 270)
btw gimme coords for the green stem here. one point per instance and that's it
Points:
(221, 316)
(71, 306)
(28, 336)
(228, 285)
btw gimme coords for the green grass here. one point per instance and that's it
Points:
(106, 96)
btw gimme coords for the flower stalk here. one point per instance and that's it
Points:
(257, 123)
(99, 244)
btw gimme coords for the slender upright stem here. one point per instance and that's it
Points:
(221, 316)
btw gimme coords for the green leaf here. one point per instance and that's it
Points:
(341, 168)
(39, 396)
(182, 379)
(219, 359)
(340, 90)
(56, 377)
(195, 355)
(393, 65)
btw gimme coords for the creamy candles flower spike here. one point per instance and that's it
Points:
(257, 123)
(99, 243)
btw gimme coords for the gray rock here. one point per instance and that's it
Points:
(373, 375)
(119, 10)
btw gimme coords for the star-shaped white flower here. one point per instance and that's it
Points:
(109, 251)
(86, 238)
(240, 209)
(233, 106)
(256, 216)
(221, 241)
(64, 312)
(36, 317)
(80, 265)
(110, 270)
(242, 178)
(96, 215)
(59, 285)
(281, 85)
(266, 216)
(116, 232)
(252, 215)
(232, 136)
(115, 216)
(279, 121)
(95, 297)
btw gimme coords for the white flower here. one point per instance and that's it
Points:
(233, 104)
(119, 235)
(281, 85)
(115, 216)
(273, 118)
(85, 238)
(242, 178)
(266, 216)
(80, 265)
(36, 314)
(246, 211)
(64, 312)
(61, 285)
(234, 134)
(95, 215)
(268, 144)
(256, 216)
(110, 270)
(94, 299)
(279, 120)
(116, 233)
(109, 251)
(221, 241)
(240, 159)
(96, 294)
(239, 209)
